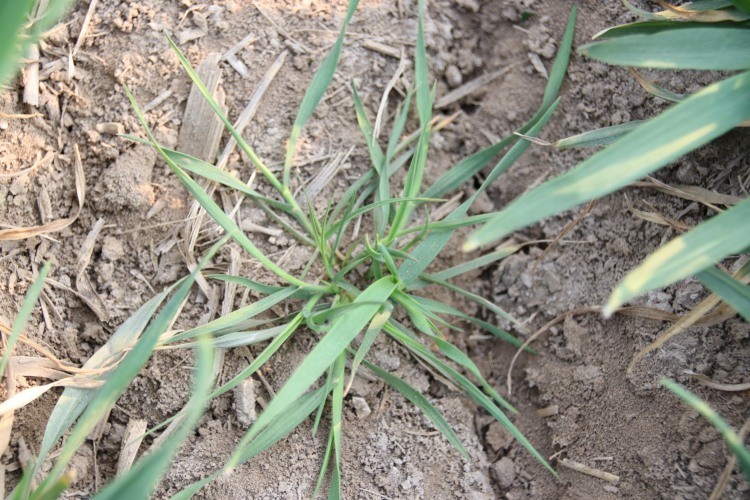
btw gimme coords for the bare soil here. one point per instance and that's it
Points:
(629, 427)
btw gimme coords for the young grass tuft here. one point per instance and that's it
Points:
(364, 279)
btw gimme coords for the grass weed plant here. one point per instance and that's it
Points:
(699, 35)
(363, 281)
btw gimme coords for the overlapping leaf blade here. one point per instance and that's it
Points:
(73, 400)
(686, 126)
(675, 45)
(342, 332)
(122, 375)
(685, 255)
(729, 289)
(141, 480)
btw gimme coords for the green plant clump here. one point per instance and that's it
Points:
(347, 294)
(699, 35)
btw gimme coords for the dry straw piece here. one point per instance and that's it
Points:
(21, 233)
(589, 471)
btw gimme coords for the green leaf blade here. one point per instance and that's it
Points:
(342, 332)
(676, 45)
(694, 251)
(142, 479)
(731, 438)
(122, 375)
(314, 93)
(686, 126)
(27, 307)
(729, 289)
(423, 404)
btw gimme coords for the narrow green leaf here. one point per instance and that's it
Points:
(658, 91)
(212, 208)
(210, 172)
(32, 295)
(56, 490)
(319, 414)
(729, 289)
(743, 5)
(471, 296)
(562, 59)
(474, 163)
(599, 137)
(686, 126)
(472, 264)
(122, 375)
(260, 360)
(421, 77)
(422, 403)
(253, 285)
(209, 98)
(416, 314)
(466, 169)
(141, 480)
(412, 185)
(337, 406)
(675, 45)
(276, 431)
(419, 317)
(73, 401)
(471, 390)
(283, 424)
(230, 322)
(316, 89)
(334, 492)
(440, 308)
(705, 245)
(237, 339)
(373, 206)
(433, 244)
(376, 153)
(453, 353)
(378, 162)
(371, 334)
(333, 311)
(324, 465)
(342, 332)
(399, 123)
(732, 439)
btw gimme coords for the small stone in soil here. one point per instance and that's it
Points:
(112, 248)
(361, 407)
(244, 402)
(505, 472)
(453, 76)
(498, 437)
